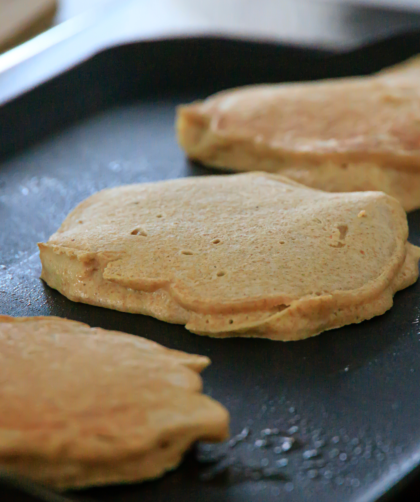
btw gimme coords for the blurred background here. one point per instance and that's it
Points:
(336, 24)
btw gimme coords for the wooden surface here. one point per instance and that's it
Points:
(23, 19)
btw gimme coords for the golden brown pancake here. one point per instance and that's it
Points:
(410, 67)
(342, 135)
(83, 406)
(242, 255)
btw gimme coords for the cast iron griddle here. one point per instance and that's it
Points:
(349, 398)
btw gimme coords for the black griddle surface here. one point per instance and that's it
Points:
(351, 394)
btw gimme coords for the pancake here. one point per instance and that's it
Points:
(243, 255)
(410, 67)
(342, 135)
(81, 406)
